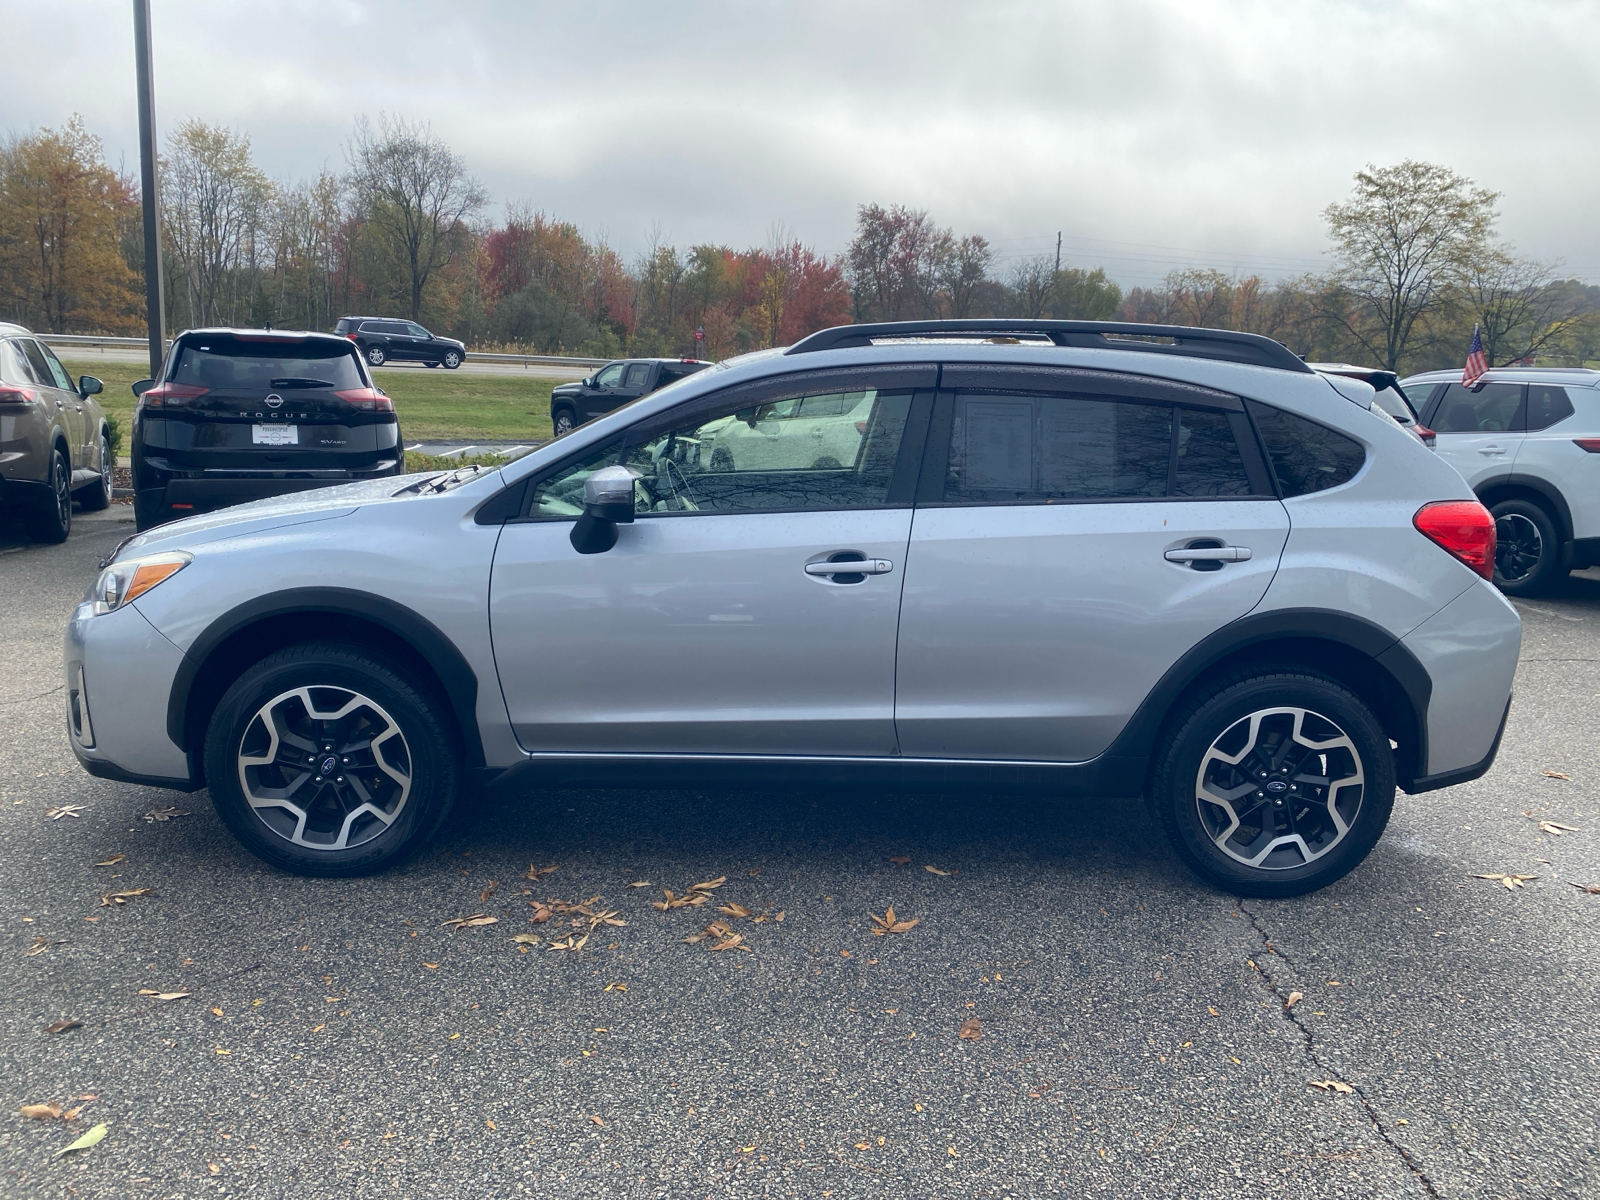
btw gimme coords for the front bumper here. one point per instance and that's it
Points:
(118, 671)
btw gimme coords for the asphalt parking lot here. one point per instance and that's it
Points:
(1137, 1036)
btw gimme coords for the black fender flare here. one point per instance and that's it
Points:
(455, 674)
(1381, 650)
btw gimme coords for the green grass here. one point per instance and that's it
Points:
(432, 405)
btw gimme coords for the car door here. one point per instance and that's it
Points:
(602, 397)
(63, 398)
(88, 427)
(741, 612)
(1075, 534)
(422, 343)
(1479, 429)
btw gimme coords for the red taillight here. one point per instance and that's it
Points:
(369, 399)
(351, 336)
(1462, 528)
(16, 395)
(1430, 439)
(1592, 445)
(164, 394)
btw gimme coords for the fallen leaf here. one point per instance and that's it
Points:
(780, 915)
(41, 1112)
(889, 923)
(736, 942)
(72, 1113)
(527, 939)
(971, 1030)
(113, 860)
(1511, 882)
(1294, 998)
(41, 944)
(863, 1145)
(213, 1168)
(640, 883)
(66, 810)
(216, 1012)
(431, 966)
(163, 995)
(484, 895)
(220, 1050)
(595, 1120)
(165, 814)
(709, 884)
(318, 1028)
(1212, 1011)
(92, 1138)
(111, 898)
(1557, 829)
(616, 987)
(1331, 1085)
(733, 910)
(1587, 889)
(460, 923)
(899, 860)
(935, 870)
(951, 1151)
(533, 872)
(750, 1149)
(1557, 775)
(63, 1025)
(541, 912)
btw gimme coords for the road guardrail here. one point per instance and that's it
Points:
(95, 342)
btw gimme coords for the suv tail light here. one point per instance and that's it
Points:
(351, 336)
(1462, 528)
(1592, 445)
(10, 394)
(367, 399)
(170, 394)
(1430, 439)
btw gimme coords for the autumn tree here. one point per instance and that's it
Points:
(215, 205)
(61, 216)
(1512, 302)
(1404, 235)
(416, 196)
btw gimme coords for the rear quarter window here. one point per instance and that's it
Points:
(1306, 457)
(1547, 404)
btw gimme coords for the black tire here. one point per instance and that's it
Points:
(98, 494)
(49, 519)
(376, 356)
(452, 360)
(1527, 554)
(563, 420)
(1208, 835)
(414, 778)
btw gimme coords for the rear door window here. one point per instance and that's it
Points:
(638, 375)
(1547, 404)
(1495, 408)
(36, 362)
(228, 364)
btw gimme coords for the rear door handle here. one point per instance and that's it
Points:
(1210, 554)
(1491, 451)
(860, 566)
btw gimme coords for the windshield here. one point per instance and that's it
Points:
(228, 363)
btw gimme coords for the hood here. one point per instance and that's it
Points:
(566, 389)
(273, 513)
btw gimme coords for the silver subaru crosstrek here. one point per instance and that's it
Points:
(1052, 557)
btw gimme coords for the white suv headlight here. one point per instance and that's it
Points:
(125, 581)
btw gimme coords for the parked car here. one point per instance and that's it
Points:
(385, 339)
(55, 443)
(1387, 396)
(1527, 440)
(612, 386)
(1191, 570)
(242, 414)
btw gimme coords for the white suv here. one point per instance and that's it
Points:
(1527, 440)
(1055, 556)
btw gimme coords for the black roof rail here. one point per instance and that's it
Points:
(1249, 348)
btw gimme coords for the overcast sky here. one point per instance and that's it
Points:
(1152, 133)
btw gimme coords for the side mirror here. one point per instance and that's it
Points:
(88, 386)
(587, 381)
(748, 416)
(607, 503)
(143, 386)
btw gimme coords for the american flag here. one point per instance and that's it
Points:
(1477, 364)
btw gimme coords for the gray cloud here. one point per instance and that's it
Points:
(1152, 132)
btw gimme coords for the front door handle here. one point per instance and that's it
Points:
(858, 566)
(1210, 554)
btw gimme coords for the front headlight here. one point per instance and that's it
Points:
(125, 581)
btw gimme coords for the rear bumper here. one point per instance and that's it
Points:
(21, 492)
(186, 496)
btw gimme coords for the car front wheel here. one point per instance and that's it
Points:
(323, 759)
(376, 356)
(452, 360)
(563, 421)
(1527, 548)
(1274, 785)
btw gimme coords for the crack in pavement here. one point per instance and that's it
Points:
(1289, 1015)
(29, 699)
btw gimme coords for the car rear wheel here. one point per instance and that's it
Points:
(50, 519)
(1527, 551)
(323, 759)
(452, 360)
(564, 421)
(376, 356)
(98, 494)
(1274, 784)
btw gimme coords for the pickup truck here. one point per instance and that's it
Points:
(613, 385)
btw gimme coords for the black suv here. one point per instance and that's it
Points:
(613, 385)
(385, 339)
(239, 415)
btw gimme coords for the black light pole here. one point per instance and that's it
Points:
(155, 309)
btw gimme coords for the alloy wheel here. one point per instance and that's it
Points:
(452, 360)
(1517, 549)
(107, 463)
(563, 422)
(376, 357)
(1279, 788)
(61, 484)
(325, 767)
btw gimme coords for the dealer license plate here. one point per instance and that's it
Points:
(274, 435)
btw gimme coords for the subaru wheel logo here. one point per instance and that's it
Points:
(329, 765)
(274, 400)
(1277, 787)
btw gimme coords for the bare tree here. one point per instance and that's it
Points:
(1404, 235)
(1033, 285)
(415, 192)
(1513, 304)
(965, 270)
(214, 205)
